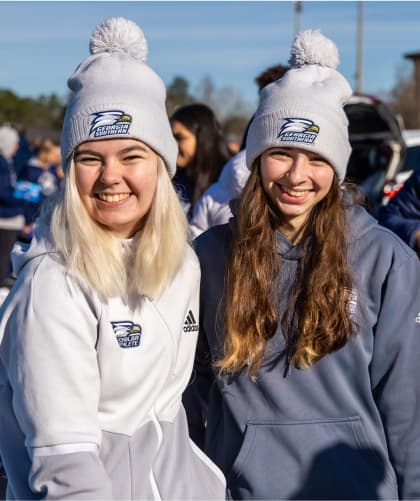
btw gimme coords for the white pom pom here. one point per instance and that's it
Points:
(312, 47)
(118, 34)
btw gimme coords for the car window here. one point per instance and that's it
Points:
(366, 159)
(412, 159)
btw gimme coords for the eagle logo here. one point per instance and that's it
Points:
(128, 333)
(300, 130)
(109, 123)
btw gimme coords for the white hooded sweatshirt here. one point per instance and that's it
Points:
(90, 391)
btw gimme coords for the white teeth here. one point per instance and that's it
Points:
(113, 198)
(294, 193)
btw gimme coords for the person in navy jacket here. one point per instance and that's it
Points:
(12, 210)
(402, 213)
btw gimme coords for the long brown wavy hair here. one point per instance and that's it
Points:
(322, 291)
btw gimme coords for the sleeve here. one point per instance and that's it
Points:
(402, 214)
(395, 372)
(196, 395)
(50, 358)
(199, 221)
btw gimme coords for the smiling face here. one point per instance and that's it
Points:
(295, 181)
(187, 144)
(116, 180)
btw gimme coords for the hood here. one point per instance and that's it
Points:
(234, 175)
(360, 222)
(41, 244)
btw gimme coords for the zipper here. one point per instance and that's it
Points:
(153, 483)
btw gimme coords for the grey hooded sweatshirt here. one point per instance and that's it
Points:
(348, 427)
(90, 391)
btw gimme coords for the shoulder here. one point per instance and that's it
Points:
(191, 260)
(376, 246)
(392, 245)
(212, 248)
(45, 283)
(188, 274)
(213, 239)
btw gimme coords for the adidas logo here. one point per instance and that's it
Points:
(190, 325)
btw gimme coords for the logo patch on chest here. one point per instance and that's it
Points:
(190, 324)
(128, 333)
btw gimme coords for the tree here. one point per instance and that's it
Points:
(42, 115)
(402, 96)
(177, 94)
(224, 101)
(234, 127)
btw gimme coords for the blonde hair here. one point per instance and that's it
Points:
(98, 258)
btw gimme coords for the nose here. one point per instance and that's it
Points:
(111, 172)
(297, 171)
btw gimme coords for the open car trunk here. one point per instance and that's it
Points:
(377, 143)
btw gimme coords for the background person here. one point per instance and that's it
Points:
(39, 178)
(94, 350)
(307, 373)
(402, 213)
(202, 151)
(213, 207)
(11, 209)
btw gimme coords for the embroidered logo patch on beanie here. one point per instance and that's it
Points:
(299, 130)
(109, 123)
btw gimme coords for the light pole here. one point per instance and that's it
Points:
(359, 63)
(298, 10)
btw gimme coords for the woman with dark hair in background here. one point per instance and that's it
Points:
(202, 151)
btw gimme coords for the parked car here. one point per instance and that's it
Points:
(410, 163)
(378, 146)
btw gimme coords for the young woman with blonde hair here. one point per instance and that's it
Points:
(307, 375)
(98, 335)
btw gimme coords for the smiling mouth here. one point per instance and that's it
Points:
(293, 193)
(106, 197)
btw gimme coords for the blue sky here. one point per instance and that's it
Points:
(42, 42)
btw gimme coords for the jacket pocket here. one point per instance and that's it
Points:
(310, 459)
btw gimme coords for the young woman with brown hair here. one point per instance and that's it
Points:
(307, 381)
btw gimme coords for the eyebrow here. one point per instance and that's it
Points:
(124, 151)
(136, 147)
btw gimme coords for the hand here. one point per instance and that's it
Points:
(27, 230)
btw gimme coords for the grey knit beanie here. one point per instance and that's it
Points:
(304, 109)
(117, 95)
